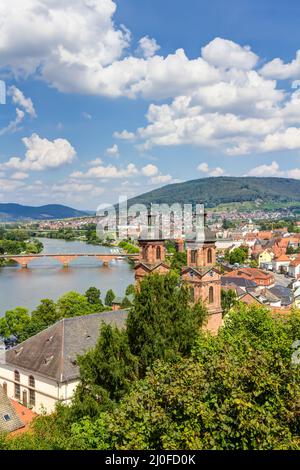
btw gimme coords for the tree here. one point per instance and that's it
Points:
(228, 300)
(126, 303)
(45, 315)
(15, 323)
(162, 324)
(106, 372)
(93, 296)
(73, 304)
(130, 290)
(178, 261)
(238, 255)
(110, 297)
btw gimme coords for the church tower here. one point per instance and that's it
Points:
(152, 252)
(203, 277)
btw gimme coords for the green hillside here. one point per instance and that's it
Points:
(248, 191)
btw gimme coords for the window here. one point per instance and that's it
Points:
(158, 252)
(17, 376)
(193, 256)
(211, 295)
(209, 256)
(31, 397)
(31, 381)
(4, 386)
(6, 418)
(17, 391)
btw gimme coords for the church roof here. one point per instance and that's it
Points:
(151, 267)
(52, 352)
(201, 271)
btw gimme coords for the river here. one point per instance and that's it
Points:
(46, 278)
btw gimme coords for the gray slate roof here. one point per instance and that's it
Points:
(52, 353)
(9, 419)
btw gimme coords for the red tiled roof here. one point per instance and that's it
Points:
(24, 414)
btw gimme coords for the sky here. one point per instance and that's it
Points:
(115, 98)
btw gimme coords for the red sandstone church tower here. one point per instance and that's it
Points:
(153, 253)
(202, 275)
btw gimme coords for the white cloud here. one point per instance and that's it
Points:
(148, 47)
(19, 175)
(124, 135)
(274, 170)
(19, 99)
(107, 172)
(150, 170)
(113, 151)
(276, 68)
(13, 126)
(227, 54)
(204, 168)
(219, 99)
(42, 154)
(161, 179)
(97, 161)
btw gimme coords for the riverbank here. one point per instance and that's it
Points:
(48, 279)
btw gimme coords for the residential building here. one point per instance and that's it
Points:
(43, 370)
(260, 277)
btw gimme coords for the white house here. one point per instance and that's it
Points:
(43, 370)
(294, 268)
(282, 262)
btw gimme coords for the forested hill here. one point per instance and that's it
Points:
(13, 212)
(224, 190)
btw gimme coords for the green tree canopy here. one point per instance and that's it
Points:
(110, 297)
(163, 324)
(73, 304)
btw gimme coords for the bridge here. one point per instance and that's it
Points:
(66, 259)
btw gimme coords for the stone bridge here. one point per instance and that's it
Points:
(66, 259)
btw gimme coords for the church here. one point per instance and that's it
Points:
(200, 273)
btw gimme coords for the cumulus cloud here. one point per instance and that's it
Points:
(107, 172)
(19, 99)
(148, 46)
(276, 68)
(274, 170)
(227, 54)
(150, 170)
(42, 154)
(220, 99)
(204, 168)
(124, 135)
(95, 162)
(161, 179)
(113, 151)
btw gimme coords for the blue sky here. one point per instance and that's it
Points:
(109, 98)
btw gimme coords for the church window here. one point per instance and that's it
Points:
(211, 295)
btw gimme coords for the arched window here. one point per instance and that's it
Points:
(17, 376)
(4, 386)
(209, 256)
(158, 252)
(211, 295)
(193, 256)
(31, 381)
